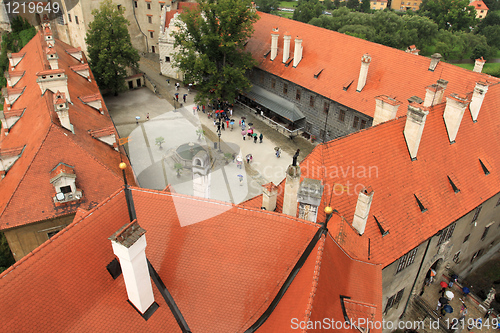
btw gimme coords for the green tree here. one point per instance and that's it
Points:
(365, 6)
(268, 6)
(492, 34)
(453, 15)
(159, 141)
(211, 41)
(307, 10)
(352, 4)
(109, 47)
(328, 4)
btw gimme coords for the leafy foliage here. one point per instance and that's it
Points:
(159, 141)
(109, 47)
(268, 6)
(211, 41)
(453, 15)
(307, 10)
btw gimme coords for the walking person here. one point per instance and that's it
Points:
(190, 86)
(147, 116)
(177, 85)
(255, 138)
(184, 97)
(223, 128)
(227, 123)
(177, 97)
(261, 136)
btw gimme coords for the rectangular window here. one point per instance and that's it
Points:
(273, 83)
(69, 17)
(135, 4)
(65, 189)
(161, 6)
(485, 232)
(466, 238)
(394, 300)
(297, 95)
(149, 5)
(446, 233)
(151, 34)
(456, 257)
(476, 214)
(285, 89)
(363, 124)
(342, 115)
(76, 19)
(167, 59)
(406, 260)
(119, 6)
(150, 19)
(475, 255)
(326, 107)
(311, 101)
(355, 122)
(322, 135)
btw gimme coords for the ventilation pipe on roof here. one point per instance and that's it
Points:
(286, 46)
(434, 61)
(478, 65)
(297, 52)
(477, 99)
(309, 199)
(129, 245)
(414, 127)
(453, 114)
(363, 73)
(269, 195)
(362, 211)
(386, 109)
(292, 183)
(274, 43)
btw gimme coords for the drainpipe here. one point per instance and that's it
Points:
(418, 274)
(146, 37)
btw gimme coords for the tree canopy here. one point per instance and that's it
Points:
(109, 47)
(453, 15)
(211, 41)
(268, 6)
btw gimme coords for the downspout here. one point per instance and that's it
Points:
(418, 274)
(146, 37)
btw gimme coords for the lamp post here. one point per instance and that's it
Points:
(219, 134)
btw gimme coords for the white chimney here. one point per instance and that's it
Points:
(363, 73)
(414, 127)
(129, 245)
(453, 113)
(292, 184)
(297, 52)
(47, 32)
(286, 46)
(434, 61)
(274, 43)
(52, 58)
(386, 109)
(477, 99)
(62, 110)
(362, 211)
(412, 49)
(478, 65)
(432, 94)
(54, 80)
(269, 195)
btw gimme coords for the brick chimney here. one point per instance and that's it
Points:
(362, 211)
(386, 109)
(297, 52)
(274, 43)
(309, 199)
(62, 110)
(477, 99)
(269, 195)
(434, 61)
(52, 58)
(363, 73)
(478, 65)
(453, 114)
(292, 183)
(54, 80)
(414, 127)
(129, 245)
(286, 46)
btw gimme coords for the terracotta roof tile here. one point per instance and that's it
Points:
(479, 5)
(90, 98)
(103, 132)
(13, 113)
(79, 67)
(50, 72)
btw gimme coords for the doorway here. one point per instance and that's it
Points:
(130, 84)
(139, 83)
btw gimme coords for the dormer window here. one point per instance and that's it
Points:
(63, 178)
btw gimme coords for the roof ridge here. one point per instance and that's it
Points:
(315, 278)
(348, 255)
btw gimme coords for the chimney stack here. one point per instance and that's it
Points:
(478, 65)
(297, 52)
(61, 108)
(412, 49)
(292, 183)
(269, 195)
(432, 95)
(54, 80)
(362, 211)
(129, 245)
(363, 73)
(309, 199)
(477, 99)
(414, 127)
(386, 109)
(434, 61)
(52, 57)
(286, 46)
(453, 113)
(274, 43)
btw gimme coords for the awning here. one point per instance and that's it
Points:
(275, 103)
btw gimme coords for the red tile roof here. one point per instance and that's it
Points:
(391, 72)
(26, 192)
(13, 113)
(103, 132)
(79, 67)
(180, 7)
(222, 272)
(91, 98)
(479, 5)
(378, 157)
(62, 168)
(50, 71)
